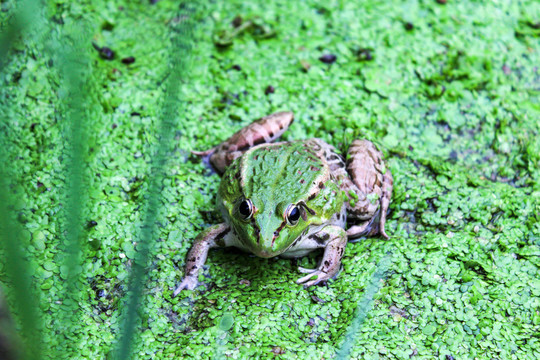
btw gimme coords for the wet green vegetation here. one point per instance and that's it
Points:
(449, 92)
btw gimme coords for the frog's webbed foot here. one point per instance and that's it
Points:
(331, 261)
(369, 189)
(264, 130)
(214, 236)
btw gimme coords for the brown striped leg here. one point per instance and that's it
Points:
(264, 130)
(369, 189)
(331, 261)
(212, 237)
(388, 184)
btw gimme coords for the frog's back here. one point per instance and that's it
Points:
(288, 170)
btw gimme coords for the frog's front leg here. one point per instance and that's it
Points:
(336, 239)
(212, 237)
(264, 130)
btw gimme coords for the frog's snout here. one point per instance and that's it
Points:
(266, 254)
(267, 248)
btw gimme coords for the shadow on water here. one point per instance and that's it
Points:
(68, 51)
(21, 295)
(178, 60)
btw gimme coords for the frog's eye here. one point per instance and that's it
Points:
(292, 214)
(246, 209)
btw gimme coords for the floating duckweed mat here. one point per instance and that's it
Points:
(448, 90)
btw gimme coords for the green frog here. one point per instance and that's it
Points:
(290, 198)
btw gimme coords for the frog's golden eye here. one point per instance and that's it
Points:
(292, 214)
(245, 209)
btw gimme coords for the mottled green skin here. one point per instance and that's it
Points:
(274, 176)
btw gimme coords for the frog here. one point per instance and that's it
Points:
(290, 198)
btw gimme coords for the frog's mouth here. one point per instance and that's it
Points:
(264, 253)
(266, 248)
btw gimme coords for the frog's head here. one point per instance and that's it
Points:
(273, 193)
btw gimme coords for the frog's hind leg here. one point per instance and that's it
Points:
(264, 130)
(369, 188)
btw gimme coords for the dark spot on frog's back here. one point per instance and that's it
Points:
(314, 168)
(302, 181)
(321, 185)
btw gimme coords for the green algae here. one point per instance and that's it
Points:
(453, 102)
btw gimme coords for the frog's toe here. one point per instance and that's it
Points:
(308, 280)
(383, 233)
(306, 270)
(189, 283)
